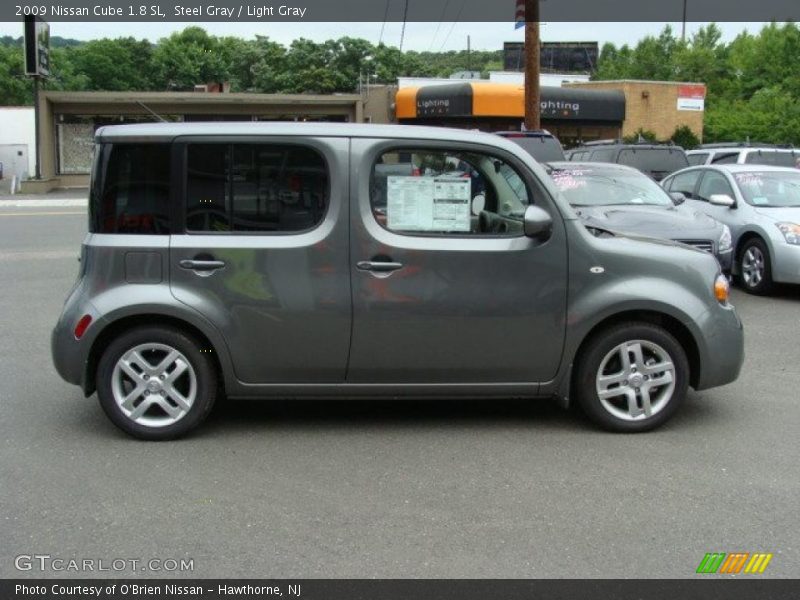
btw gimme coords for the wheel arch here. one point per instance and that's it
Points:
(741, 242)
(126, 323)
(671, 324)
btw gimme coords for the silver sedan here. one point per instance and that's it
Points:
(761, 205)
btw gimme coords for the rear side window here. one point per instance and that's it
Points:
(606, 155)
(130, 191)
(698, 158)
(725, 158)
(542, 148)
(655, 161)
(779, 159)
(254, 187)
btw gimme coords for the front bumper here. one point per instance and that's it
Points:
(721, 347)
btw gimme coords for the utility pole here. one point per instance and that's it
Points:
(683, 23)
(469, 58)
(532, 106)
(403, 31)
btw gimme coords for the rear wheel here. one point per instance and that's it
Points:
(632, 377)
(755, 273)
(155, 383)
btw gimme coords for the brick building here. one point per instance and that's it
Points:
(658, 106)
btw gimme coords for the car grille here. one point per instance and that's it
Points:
(705, 245)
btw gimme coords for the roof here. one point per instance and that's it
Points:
(169, 131)
(736, 168)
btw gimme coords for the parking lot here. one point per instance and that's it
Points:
(388, 489)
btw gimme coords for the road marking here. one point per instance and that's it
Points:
(44, 203)
(39, 255)
(36, 214)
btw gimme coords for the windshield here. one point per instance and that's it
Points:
(657, 162)
(590, 186)
(769, 188)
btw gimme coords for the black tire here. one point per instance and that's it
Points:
(592, 357)
(197, 357)
(765, 284)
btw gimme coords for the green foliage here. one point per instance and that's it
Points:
(753, 81)
(684, 137)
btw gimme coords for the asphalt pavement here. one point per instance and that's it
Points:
(390, 488)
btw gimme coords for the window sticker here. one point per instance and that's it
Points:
(760, 200)
(749, 179)
(428, 203)
(570, 179)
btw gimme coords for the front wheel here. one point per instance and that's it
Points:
(755, 272)
(156, 383)
(632, 377)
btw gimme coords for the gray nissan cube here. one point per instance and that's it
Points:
(315, 260)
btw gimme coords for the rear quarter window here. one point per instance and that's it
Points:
(130, 191)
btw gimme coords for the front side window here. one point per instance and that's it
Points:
(441, 192)
(606, 155)
(254, 187)
(685, 183)
(130, 190)
(725, 158)
(714, 183)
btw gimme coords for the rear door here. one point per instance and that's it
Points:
(262, 251)
(446, 288)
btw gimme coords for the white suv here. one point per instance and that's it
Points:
(744, 155)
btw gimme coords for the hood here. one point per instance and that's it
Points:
(656, 221)
(789, 214)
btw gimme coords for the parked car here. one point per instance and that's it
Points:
(743, 154)
(761, 205)
(654, 160)
(541, 144)
(443, 294)
(622, 199)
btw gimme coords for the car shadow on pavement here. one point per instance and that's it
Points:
(230, 415)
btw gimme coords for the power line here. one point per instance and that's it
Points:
(385, 16)
(403, 31)
(461, 8)
(438, 25)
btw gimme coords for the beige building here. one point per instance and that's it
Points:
(658, 106)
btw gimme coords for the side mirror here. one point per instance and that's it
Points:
(678, 198)
(537, 223)
(721, 200)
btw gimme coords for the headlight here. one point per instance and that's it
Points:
(722, 288)
(725, 241)
(790, 231)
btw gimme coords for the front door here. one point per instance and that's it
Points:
(261, 252)
(446, 288)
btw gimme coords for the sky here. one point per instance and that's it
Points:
(418, 36)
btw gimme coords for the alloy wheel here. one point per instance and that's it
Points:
(635, 380)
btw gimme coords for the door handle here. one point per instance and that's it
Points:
(378, 266)
(202, 265)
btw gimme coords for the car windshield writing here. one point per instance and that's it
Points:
(595, 187)
(770, 189)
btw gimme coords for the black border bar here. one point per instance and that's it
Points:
(342, 11)
(705, 588)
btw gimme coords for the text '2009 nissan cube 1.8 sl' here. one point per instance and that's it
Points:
(332, 260)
